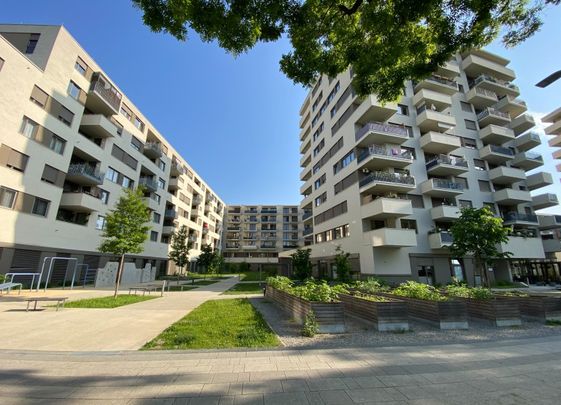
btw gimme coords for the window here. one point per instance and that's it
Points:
(13, 159)
(127, 183)
(1, 64)
(161, 183)
(318, 148)
(39, 97)
(40, 207)
(162, 165)
(461, 88)
(409, 224)
(466, 106)
(126, 112)
(29, 128)
(320, 200)
(52, 176)
(100, 222)
(74, 90)
(136, 143)
(344, 162)
(80, 66)
(156, 218)
(462, 181)
(416, 200)
(479, 164)
(468, 143)
(471, 125)
(112, 175)
(32, 43)
(154, 236)
(484, 186)
(465, 204)
(104, 196)
(57, 144)
(402, 109)
(409, 131)
(318, 132)
(332, 212)
(156, 198)
(319, 182)
(346, 182)
(7, 197)
(138, 123)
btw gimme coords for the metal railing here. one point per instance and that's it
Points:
(82, 169)
(308, 231)
(148, 183)
(517, 216)
(153, 146)
(387, 177)
(442, 80)
(485, 92)
(447, 184)
(492, 79)
(447, 160)
(306, 215)
(105, 89)
(376, 150)
(501, 149)
(492, 111)
(382, 128)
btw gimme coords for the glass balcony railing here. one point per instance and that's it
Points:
(389, 129)
(84, 170)
(501, 149)
(149, 183)
(442, 80)
(517, 216)
(387, 177)
(485, 92)
(308, 231)
(375, 150)
(447, 184)
(492, 79)
(306, 215)
(447, 160)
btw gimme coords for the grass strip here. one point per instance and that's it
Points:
(109, 302)
(245, 288)
(219, 324)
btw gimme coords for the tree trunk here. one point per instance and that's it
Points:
(119, 274)
(483, 272)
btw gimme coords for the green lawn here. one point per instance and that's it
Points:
(245, 288)
(220, 324)
(253, 276)
(109, 302)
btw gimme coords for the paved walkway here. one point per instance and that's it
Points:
(508, 372)
(124, 328)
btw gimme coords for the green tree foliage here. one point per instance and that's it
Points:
(386, 42)
(301, 264)
(125, 229)
(206, 258)
(343, 265)
(180, 247)
(478, 233)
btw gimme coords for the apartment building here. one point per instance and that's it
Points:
(70, 142)
(554, 129)
(386, 181)
(256, 234)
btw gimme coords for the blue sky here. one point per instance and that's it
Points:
(240, 112)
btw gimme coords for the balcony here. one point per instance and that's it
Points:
(176, 169)
(518, 218)
(168, 229)
(500, 87)
(555, 142)
(377, 132)
(538, 180)
(84, 174)
(383, 208)
(480, 62)
(97, 126)
(506, 175)
(522, 123)
(391, 238)
(490, 116)
(438, 84)
(441, 188)
(308, 230)
(306, 159)
(523, 247)
(170, 214)
(481, 98)
(444, 165)
(307, 215)
(527, 141)
(103, 97)
(511, 105)
(554, 129)
(430, 97)
(440, 240)
(306, 173)
(496, 154)
(305, 146)
(173, 183)
(509, 196)
(152, 204)
(152, 150)
(494, 134)
(551, 246)
(429, 120)
(149, 184)
(449, 70)
(549, 221)
(380, 157)
(381, 181)
(527, 160)
(197, 200)
(445, 213)
(371, 110)
(437, 142)
(80, 202)
(544, 201)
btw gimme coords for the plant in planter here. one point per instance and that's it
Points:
(311, 326)
(371, 286)
(477, 293)
(419, 291)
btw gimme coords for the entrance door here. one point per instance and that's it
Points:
(426, 274)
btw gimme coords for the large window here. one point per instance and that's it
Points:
(57, 144)
(13, 159)
(344, 162)
(40, 207)
(74, 90)
(100, 222)
(7, 197)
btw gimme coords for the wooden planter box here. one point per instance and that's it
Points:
(450, 314)
(538, 308)
(330, 316)
(386, 316)
(500, 311)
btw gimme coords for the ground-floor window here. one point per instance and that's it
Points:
(426, 274)
(457, 271)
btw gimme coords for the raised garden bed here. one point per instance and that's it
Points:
(329, 315)
(450, 314)
(388, 315)
(538, 308)
(499, 311)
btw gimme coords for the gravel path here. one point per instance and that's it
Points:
(362, 334)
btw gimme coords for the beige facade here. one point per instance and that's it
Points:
(70, 141)
(256, 234)
(554, 129)
(385, 181)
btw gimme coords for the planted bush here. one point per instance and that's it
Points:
(420, 291)
(476, 293)
(310, 290)
(280, 283)
(371, 286)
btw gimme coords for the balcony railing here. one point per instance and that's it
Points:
(501, 149)
(375, 150)
(485, 92)
(387, 177)
(81, 169)
(517, 216)
(308, 231)
(383, 128)
(533, 156)
(306, 215)
(447, 184)
(106, 90)
(442, 80)
(153, 147)
(148, 183)
(492, 79)
(491, 111)
(447, 160)
(171, 214)
(512, 99)
(445, 236)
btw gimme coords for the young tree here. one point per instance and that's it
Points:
(206, 258)
(478, 233)
(125, 229)
(386, 42)
(343, 265)
(180, 247)
(301, 263)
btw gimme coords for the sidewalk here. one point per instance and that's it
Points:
(124, 328)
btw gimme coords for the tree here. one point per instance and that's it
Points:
(343, 265)
(478, 233)
(386, 42)
(206, 258)
(217, 264)
(180, 247)
(301, 263)
(125, 230)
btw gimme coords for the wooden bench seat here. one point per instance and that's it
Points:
(59, 301)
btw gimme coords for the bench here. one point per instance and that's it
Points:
(147, 288)
(59, 301)
(8, 287)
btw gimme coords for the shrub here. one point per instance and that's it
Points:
(421, 291)
(280, 283)
(310, 290)
(476, 293)
(371, 286)
(368, 297)
(311, 326)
